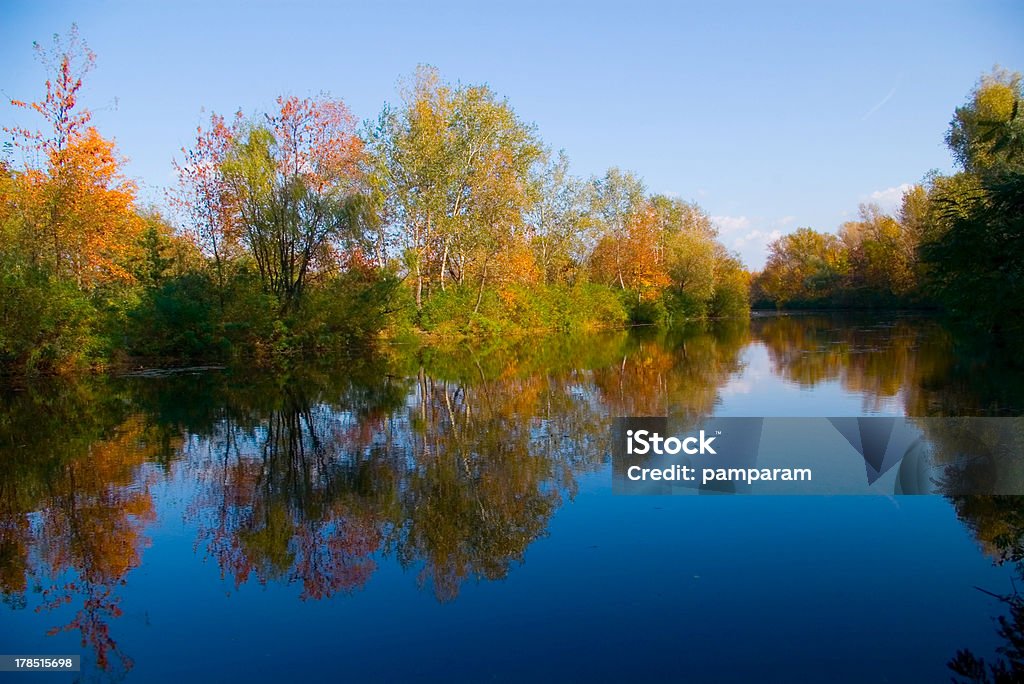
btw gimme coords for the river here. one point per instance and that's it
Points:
(446, 513)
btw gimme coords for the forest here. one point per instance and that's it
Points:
(956, 243)
(301, 230)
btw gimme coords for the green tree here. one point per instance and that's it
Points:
(557, 220)
(986, 134)
(453, 165)
(292, 181)
(977, 262)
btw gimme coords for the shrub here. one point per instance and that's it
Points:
(350, 309)
(519, 309)
(45, 322)
(178, 319)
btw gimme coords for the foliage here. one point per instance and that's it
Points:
(452, 165)
(289, 182)
(44, 321)
(955, 241)
(977, 264)
(297, 235)
(178, 319)
(74, 209)
(517, 310)
(986, 135)
(804, 267)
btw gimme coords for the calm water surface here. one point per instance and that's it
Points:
(447, 515)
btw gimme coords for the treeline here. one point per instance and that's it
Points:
(956, 242)
(297, 230)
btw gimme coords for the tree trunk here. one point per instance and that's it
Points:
(419, 286)
(444, 261)
(480, 292)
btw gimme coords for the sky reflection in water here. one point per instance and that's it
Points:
(447, 514)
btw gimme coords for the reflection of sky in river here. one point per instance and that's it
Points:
(612, 588)
(757, 391)
(848, 589)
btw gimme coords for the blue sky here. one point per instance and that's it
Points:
(770, 115)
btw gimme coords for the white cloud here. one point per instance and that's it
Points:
(730, 224)
(890, 198)
(757, 236)
(750, 236)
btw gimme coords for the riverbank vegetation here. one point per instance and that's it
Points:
(297, 230)
(956, 242)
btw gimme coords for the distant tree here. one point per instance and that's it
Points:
(881, 254)
(804, 266)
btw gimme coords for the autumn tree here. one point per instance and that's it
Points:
(453, 163)
(493, 153)
(913, 212)
(74, 206)
(630, 257)
(881, 252)
(289, 181)
(203, 198)
(557, 220)
(690, 252)
(803, 266)
(666, 249)
(616, 199)
(731, 297)
(408, 147)
(986, 134)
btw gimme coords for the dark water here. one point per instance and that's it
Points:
(447, 515)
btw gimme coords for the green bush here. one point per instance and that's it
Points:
(520, 309)
(731, 298)
(45, 322)
(594, 306)
(683, 306)
(649, 312)
(178, 319)
(350, 309)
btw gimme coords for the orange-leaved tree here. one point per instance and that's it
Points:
(73, 206)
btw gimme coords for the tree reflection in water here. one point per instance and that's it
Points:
(449, 461)
(74, 504)
(998, 524)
